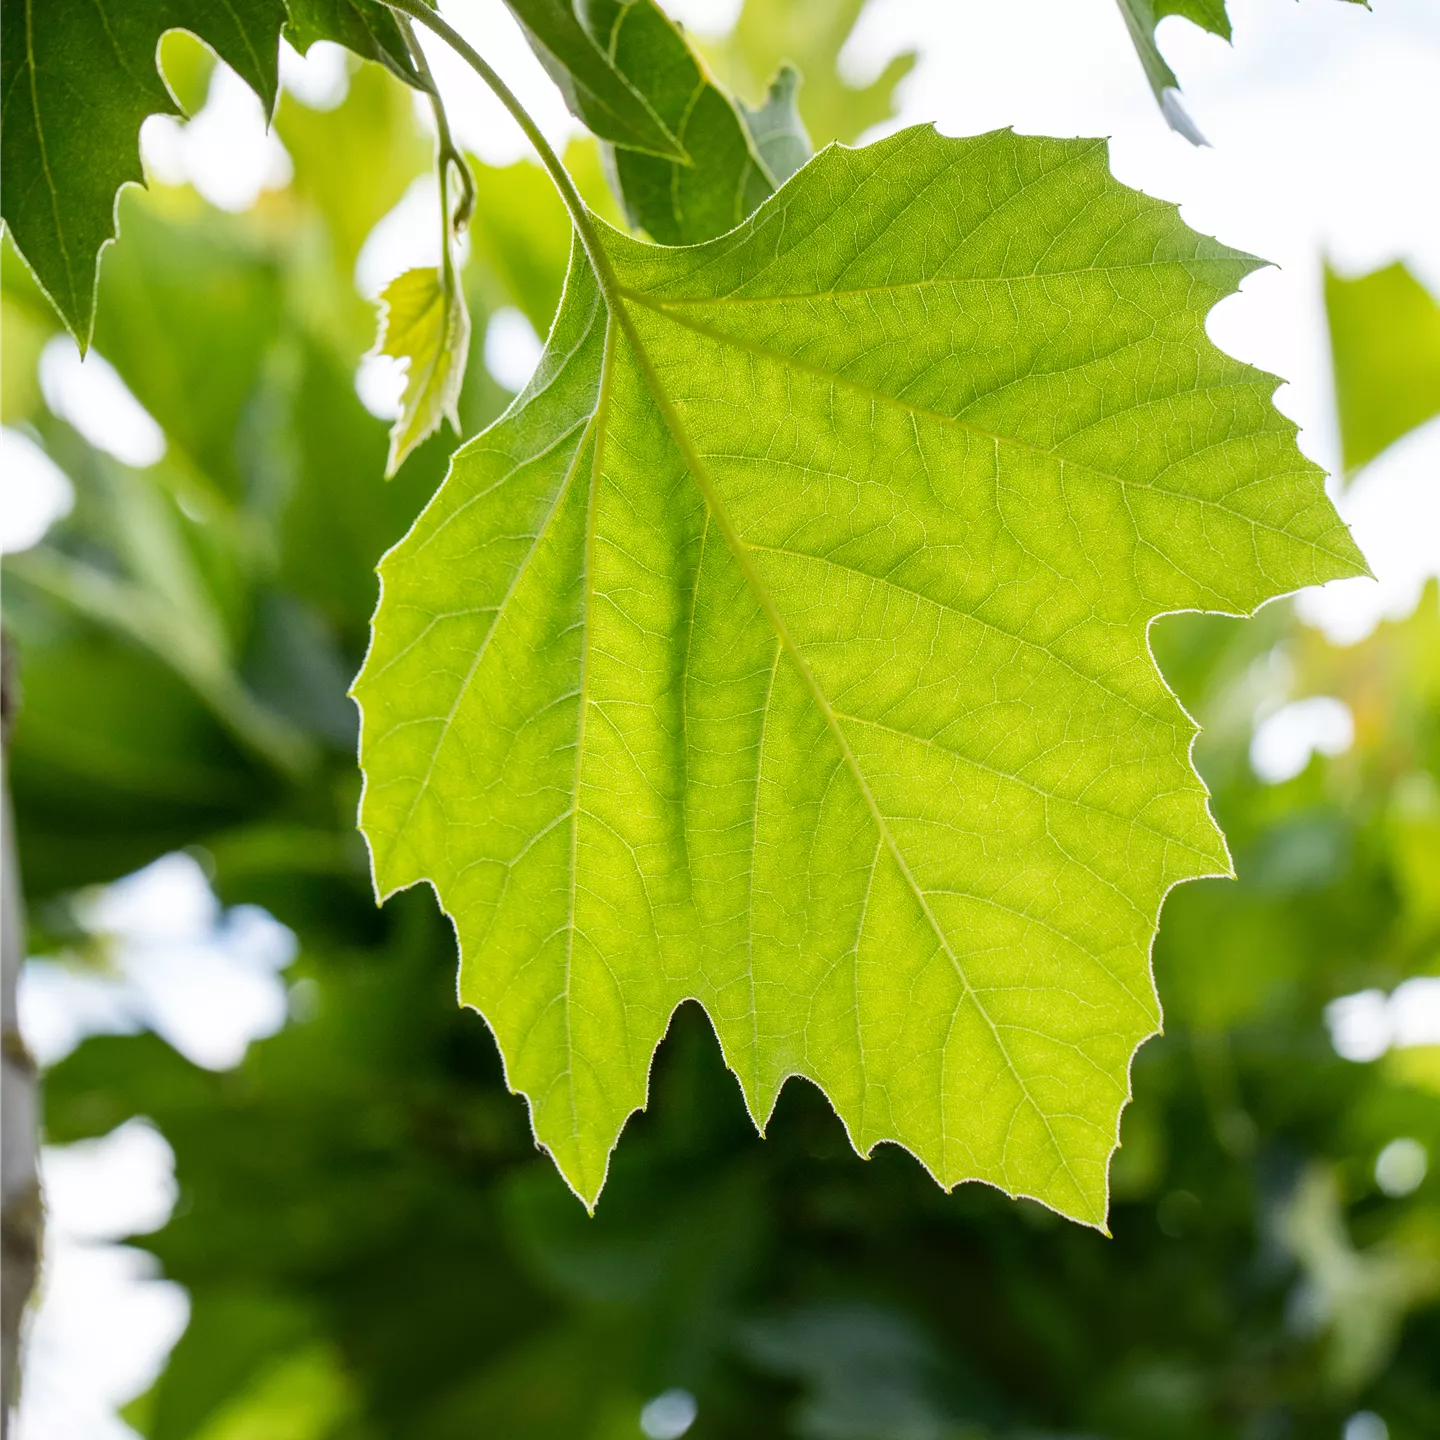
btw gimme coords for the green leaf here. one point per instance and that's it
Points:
(597, 92)
(785, 647)
(424, 322)
(77, 81)
(810, 34)
(364, 26)
(1385, 346)
(724, 177)
(776, 129)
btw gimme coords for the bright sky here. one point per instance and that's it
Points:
(1323, 121)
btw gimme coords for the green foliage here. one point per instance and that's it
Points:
(79, 79)
(371, 1245)
(1385, 337)
(363, 26)
(672, 695)
(724, 176)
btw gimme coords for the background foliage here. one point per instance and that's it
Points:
(372, 1245)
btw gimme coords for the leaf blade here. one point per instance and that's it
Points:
(831, 703)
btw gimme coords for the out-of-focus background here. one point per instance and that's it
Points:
(288, 1194)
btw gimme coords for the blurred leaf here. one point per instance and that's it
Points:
(520, 234)
(23, 334)
(1385, 345)
(776, 129)
(655, 544)
(567, 42)
(1357, 1297)
(424, 322)
(810, 34)
(184, 277)
(354, 162)
(187, 65)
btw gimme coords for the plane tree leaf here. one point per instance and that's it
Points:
(1385, 344)
(785, 647)
(77, 80)
(425, 323)
(724, 176)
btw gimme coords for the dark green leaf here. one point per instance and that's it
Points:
(597, 91)
(77, 78)
(726, 178)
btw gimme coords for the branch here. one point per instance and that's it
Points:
(21, 1214)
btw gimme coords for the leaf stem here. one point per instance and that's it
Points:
(448, 153)
(579, 213)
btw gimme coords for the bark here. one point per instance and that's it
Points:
(20, 1213)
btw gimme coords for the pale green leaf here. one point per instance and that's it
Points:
(776, 129)
(810, 35)
(1385, 346)
(785, 647)
(425, 323)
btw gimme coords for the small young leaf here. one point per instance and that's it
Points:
(424, 322)
(785, 646)
(77, 81)
(1385, 343)
(596, 91)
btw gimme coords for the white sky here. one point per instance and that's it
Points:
(1323, 120)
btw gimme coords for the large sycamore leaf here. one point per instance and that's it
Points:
(784, 647)
(1385, 347)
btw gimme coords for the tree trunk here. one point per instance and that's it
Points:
(20, 1216)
